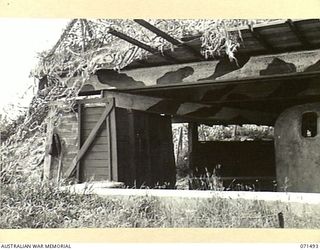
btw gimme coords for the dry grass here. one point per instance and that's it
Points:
(39, 205)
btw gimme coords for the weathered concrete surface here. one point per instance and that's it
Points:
(106, 189)
(297, 157)
(298, 203)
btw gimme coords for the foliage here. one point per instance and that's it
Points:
(22, 160)
(180, 143)
(245, 132)
(8, 127)
(86, 45)
(42, 205)
(208, 181)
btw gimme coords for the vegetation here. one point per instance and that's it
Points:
(246, 132)
(42, 205)
(85, 45)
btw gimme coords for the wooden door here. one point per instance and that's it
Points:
(99, 162)
(145, 148)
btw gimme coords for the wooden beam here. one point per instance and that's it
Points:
(167, 37)
(271, 100)
(203, 70)
(79, 139)
(255, 33)
(187, 109)
(147, 153)
(157, 31)
(108, 131)
(142, 45)
(192, 142)
(114, 146)
(132, 161)
(152, 104)
(294, 28)
(102, 100)
(48, 158)
(225, 82)
(133, 41)
(91, 137)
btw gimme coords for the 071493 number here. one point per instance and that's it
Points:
(313, 246)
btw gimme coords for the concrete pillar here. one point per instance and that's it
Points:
(297, 156)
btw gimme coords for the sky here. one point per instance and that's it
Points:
(20, 41)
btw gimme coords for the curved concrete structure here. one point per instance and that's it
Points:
(297, 156)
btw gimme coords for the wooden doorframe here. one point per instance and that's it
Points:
(79, 139)
(192, 142)
(112, 146)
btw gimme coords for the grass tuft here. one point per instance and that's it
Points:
(42, 205)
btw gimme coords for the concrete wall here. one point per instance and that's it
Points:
(66, 126)
(297, 157)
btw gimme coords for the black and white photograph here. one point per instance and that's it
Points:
(159, 123)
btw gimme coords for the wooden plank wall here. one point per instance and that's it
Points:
(95, 163)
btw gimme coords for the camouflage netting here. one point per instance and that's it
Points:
(84, 47)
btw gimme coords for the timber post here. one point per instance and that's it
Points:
(192, 142)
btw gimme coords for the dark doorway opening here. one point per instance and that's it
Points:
(234, 157)
(145, 149)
